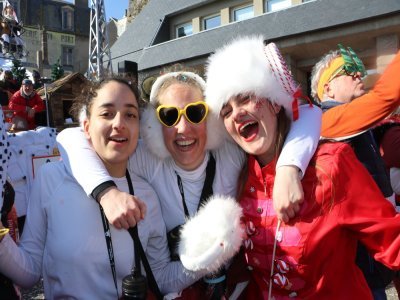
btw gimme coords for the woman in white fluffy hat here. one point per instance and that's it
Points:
(251, 90)
(181, 156)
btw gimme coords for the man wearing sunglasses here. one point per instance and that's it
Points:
(348, 114)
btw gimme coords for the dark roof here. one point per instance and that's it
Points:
(136, 43)
(143, 29)
(56, 85)
(48, 13)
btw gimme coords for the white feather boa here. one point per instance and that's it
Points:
(212, 236)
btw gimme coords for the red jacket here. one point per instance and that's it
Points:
(19, 104)
(342, 205)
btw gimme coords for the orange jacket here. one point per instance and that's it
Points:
(364, 112)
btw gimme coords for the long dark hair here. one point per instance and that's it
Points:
(282, 130)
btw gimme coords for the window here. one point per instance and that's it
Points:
(274, 5)
(243, 13)
(67, 19)
(211, 22)
(184, 30)
(67, 39)
(31, 34)
(67, 56)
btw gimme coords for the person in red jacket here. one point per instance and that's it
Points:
(313, 255)
(26, 103)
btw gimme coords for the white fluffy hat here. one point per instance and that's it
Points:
(246, 65)
(151, 128)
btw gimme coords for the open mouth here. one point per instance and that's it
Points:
(118, 140)
(248, 130)
(185, 144)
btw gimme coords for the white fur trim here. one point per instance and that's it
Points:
(244, 66)
(212, 236)
(216, 132)
(151, 132)
(82, 116)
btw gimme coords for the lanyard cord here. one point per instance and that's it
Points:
(180, 185)
(133, 231)
(107, 234)
(207, 187)
(139, 251)
(278, 227)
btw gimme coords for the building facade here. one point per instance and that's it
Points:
(55, 30)
(188, 31)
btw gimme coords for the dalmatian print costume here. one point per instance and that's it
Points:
(4, 155)
(23, 147)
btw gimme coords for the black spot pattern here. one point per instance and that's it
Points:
(3, 159)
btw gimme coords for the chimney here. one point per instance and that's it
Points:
(82, 3)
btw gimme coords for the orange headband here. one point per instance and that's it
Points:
(337, 63)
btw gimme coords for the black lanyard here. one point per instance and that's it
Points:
(207, 187)
(107, 234)
(133, 231)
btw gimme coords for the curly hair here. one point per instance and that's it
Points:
(83, 102)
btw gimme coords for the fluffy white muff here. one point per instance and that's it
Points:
(242, 67)
(212, 236)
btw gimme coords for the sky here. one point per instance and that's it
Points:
(114, 8)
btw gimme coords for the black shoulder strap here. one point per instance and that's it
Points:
(208, 182)
(207, 190)
(133, 231)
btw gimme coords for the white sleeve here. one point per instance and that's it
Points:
(81, 160)
(23, 264)
(302, 139)
(143, 163)
(170, 276)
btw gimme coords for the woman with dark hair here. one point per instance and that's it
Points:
(67, 238)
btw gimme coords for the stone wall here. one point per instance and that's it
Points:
(135, 6)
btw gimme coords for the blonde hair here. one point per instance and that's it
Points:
(180, 78)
